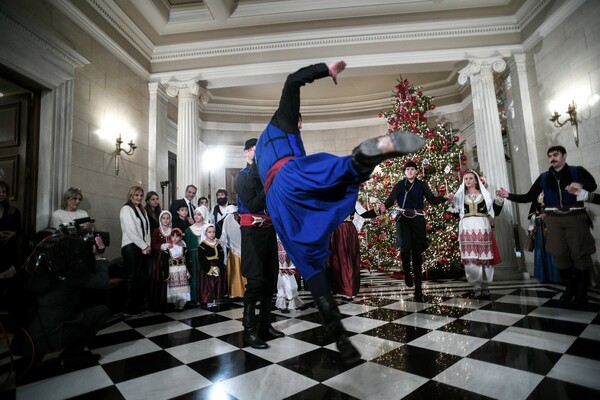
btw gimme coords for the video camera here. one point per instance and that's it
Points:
(60, 250)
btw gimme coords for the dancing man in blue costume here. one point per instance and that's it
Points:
(309, 196)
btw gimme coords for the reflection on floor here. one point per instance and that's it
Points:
(519, 345)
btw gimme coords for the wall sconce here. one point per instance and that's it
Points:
(118, 151)
(572, 111)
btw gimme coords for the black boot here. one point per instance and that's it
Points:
(408, 280)
(265, 329)
(418, 282)
(371, 152)
(582, 278)
(333, 325)
(249, 321)
(567, 276)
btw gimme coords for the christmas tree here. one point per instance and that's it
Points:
(439, 162)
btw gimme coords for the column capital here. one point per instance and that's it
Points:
(157, 91)
(480, 66)
(187, 88)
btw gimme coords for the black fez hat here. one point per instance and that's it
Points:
(411, 164)
(250, 143)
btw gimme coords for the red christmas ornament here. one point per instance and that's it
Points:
(444, 147)
(433, 147)
(428, 227)
(457, 168)
(456, 138)
(432, 106)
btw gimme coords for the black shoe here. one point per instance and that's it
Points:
(69, 361)
(267, 332)
(250, 330)
(408, 280)
(373, 151)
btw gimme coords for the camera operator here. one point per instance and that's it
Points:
(58, 322)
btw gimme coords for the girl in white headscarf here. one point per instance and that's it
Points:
(476, 209)
(160, 267)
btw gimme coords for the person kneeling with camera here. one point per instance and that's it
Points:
(65, 266)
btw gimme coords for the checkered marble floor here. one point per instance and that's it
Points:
(520, 345)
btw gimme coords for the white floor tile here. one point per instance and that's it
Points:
(535, 338)
(461, 302)
(451, 343)
(564, 314)
(524, 300)
(200, 350)
(273, 382)
(222, 328)
(577, 370)
(293, 325)
(67, 385)
(490, 380)
(163, 328)
(591, 332)
(125, 350)
(118, 327)
(370, 347)
(163, 385)
(355, 309)
(361, 324)
(373, 381)
(282, 349)
(427, 321)
(410, 306)
(493, 317)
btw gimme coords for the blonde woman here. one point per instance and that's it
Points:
(70, 211)
(135, 247)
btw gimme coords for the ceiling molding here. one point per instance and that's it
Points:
(100, 36)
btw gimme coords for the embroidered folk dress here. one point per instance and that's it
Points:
(178, 287)
(475, 233)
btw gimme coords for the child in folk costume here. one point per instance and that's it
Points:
(212, 260)
(178, 286)
(287, 286)
(231, 240)
(161, 241)
(194, 235)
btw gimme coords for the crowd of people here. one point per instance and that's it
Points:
(290, 215)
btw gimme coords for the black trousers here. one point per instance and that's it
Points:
(134, 262)
(412, 241)
(259, 262)
(79, 332)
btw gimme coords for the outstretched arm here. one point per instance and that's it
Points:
(287, 114)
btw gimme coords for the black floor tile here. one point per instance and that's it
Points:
(447, 311)
(317, 336)
(384, 314)
(417, 361)
(376, 301)
(320, 364)
(228, 365)
(532, 292)
(178, 338)
(551, 325)
(473, 328)
(110, 339)
(149, 320)
(515, 356)
(204, 320)
(436, 390)
(107, 393)
(509, 308)
(235, 339)
(397, 332)
(134, 367)
(550, 388)
(207, 393)
(586, 348)
(320, 391)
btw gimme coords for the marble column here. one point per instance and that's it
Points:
(158, 164)
(188, 134)
(490, 148)
(521, 121)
